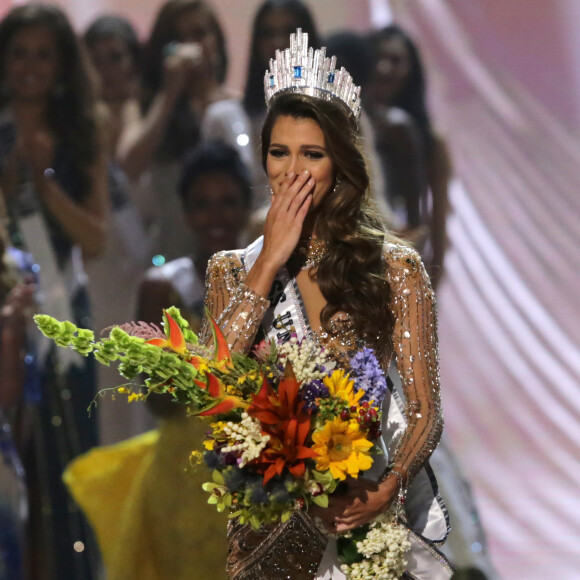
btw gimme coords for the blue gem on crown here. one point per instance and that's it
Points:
(301, 69)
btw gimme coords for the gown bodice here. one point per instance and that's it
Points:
(243, 316)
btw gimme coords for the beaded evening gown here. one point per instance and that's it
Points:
(296, 549)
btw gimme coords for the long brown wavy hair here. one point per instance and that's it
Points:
(351, 275)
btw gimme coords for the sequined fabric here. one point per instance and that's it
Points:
(290, 551)
(308, 253)
(240, 311)
(235, 307)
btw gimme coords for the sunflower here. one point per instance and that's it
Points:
(343, 448)
(341, 386)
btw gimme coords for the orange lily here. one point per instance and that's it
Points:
(289, 452)
(272, 408)
(288, 425)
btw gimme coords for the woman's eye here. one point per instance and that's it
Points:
(314, 154)
(277, 153)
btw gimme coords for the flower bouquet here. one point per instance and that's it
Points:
(287, 428)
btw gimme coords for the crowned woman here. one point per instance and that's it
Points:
(326, 269)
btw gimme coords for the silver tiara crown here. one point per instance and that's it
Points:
(301, 69)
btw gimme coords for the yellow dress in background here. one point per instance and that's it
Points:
(146, 505)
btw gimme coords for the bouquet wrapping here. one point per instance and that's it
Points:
(286, 428)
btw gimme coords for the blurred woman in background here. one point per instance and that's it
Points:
(115, 52)
(54, 180)
(184, 102)
(415, 157)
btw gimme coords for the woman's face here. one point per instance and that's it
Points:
(392, 70)
(218, 212)
(113, 62)
(32, 63)
(195, 26)
(274, 33)
(297, 145)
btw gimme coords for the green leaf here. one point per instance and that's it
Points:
(321, 500)
(347, 551)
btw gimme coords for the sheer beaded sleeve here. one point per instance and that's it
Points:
(415, 349)
(237, 309)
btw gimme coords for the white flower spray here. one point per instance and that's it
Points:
(309, 361)
(246, 437)
(383, 548)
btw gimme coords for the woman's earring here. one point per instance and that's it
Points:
(337, 182)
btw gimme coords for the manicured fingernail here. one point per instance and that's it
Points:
(311, 181)
(291, 174)
(306, 172)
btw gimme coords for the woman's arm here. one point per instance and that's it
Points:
(415, 347)
(439, 173)
(141, 137)
(236, 307)
(84, 223)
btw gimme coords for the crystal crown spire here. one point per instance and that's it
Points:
(301, 69)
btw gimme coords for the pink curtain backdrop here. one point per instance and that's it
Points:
(506, 95)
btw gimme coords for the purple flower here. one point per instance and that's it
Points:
(230, 458)
(368, 376)
(312, 391)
